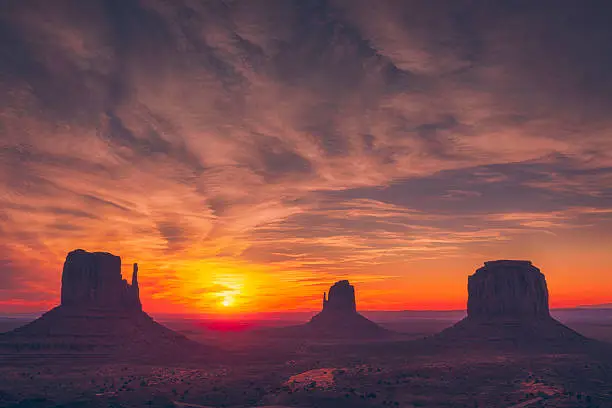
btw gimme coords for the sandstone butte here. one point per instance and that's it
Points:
(339, 316)
(508, 305)
(100, 314)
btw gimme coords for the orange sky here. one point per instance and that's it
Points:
(232, 288)
(248, 157)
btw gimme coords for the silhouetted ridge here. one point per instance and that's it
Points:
(508, 304)
(100, 313)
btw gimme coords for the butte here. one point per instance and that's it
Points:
(339, 318)
(508, 306)
(100, 315)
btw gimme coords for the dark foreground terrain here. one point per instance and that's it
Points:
(252, 369)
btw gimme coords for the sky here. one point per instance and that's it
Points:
(248, 154)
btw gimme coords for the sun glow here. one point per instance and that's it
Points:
(229, 291)
(227, 301)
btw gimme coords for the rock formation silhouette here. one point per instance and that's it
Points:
(339, 317)
(93, 280)
(508, 303)
(341, 298)
(100, 313)
(507, 289)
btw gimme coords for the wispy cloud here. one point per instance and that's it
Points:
(273, 144)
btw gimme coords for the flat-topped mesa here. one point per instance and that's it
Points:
(93, 280)
(341, 298)
(507, 289)
(508, 308)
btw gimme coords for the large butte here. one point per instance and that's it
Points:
(508, 305)
(100, 314)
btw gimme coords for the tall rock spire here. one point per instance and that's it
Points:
(134, 288)
(135, 276)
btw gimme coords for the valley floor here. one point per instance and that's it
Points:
(250, 369)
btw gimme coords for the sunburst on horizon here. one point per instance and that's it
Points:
(227, 301)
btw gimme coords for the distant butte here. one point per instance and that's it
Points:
(508, 304)
(341, 298)
(100, 313)
(339, 317)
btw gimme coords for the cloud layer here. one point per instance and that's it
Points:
(267, 148)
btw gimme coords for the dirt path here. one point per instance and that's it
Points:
(526, 403)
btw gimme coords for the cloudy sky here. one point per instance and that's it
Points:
(252, 152)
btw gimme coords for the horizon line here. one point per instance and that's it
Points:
(603, 306)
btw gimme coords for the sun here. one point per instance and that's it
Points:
(229, 295)
(227, 301)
